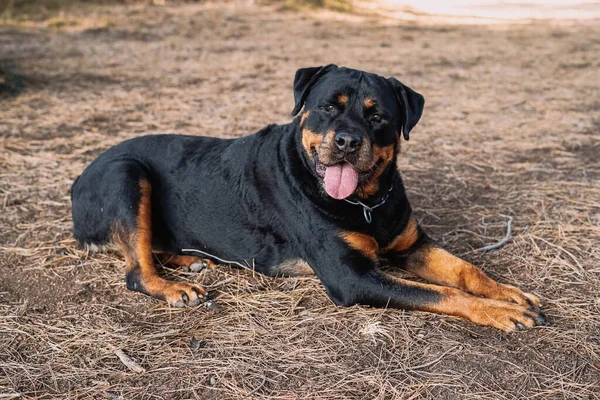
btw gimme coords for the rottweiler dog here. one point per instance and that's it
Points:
(319, 195)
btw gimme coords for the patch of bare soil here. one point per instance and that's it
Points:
(511, 127)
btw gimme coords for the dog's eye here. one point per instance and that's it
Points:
(329, 109)
(376, 118)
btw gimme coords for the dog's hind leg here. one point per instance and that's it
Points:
(112, 204)
(142, 276)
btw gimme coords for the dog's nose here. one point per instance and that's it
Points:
(347, 142)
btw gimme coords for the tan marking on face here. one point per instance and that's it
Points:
(364, 243)
(311, 140)
(328, 140)
(406, 239)
(303, 118)
(370, 103)
(325, 149)
(386, 155)
(293, 267)
(342, 99)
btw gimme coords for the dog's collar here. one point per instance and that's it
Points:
(368, 210)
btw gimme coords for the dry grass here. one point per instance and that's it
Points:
(512, 126)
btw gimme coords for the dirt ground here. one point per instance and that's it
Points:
(511, 126)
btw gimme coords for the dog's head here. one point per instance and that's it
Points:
(351, 125)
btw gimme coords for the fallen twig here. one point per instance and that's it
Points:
(501, 242)
(10, 395)
(126, 360)
(247, 266)
(259, 386)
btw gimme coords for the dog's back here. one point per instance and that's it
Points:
(109, 186)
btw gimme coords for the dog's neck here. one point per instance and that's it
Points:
(384, 185)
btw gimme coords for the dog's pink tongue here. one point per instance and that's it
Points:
(340, 180)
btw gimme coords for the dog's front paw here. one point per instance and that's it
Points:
(182, 294)
(506, 316)
(515, 295)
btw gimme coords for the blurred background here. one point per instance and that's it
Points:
(504, 9)
(511, 126)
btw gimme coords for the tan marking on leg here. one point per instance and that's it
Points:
(370, 103)
(293, 267)
(439, 266)
(364, 243)
(124, 242)
(498, 314)
(310, 140)
(98, 248)
(140, 263)
(143, 241)
(303, 118)
(183, 261)
(342, 99)
(406, 239)
(384, 155)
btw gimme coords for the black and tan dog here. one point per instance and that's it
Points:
(321, 194)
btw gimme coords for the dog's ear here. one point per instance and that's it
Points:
(412, 105)
(304, 80)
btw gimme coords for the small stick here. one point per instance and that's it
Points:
(259, 386)
(10, 395)
(126, 360)
(247, 266)
(501, 242)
